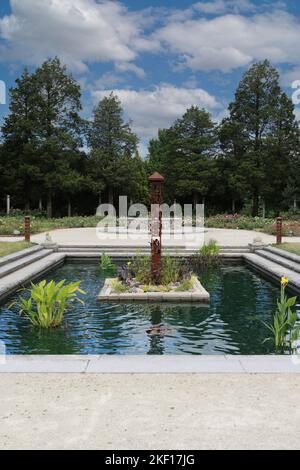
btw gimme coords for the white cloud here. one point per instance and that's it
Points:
(231, 41)
(158, 108)
(129, 67)
(289, 76)
(297, 113)
(79, 31)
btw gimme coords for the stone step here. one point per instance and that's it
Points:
(142, 250)
(19, 255)
(285, 254)
(24, 261)
(273, 270)
(120, 256)
(16, 280)
(287, 263)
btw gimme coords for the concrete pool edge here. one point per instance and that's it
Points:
(223, 364)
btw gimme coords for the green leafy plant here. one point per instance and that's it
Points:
(170, 271)
(186, 286)
(118, 287)
(210, 249)
(47, 302)
(106, 264)
(284, 329)
(141, 269)
(208, 255)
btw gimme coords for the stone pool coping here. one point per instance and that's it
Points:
(176, 364)
(198, 294)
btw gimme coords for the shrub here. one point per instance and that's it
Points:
(48, 302)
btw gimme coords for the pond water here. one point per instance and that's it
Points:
(231, 324)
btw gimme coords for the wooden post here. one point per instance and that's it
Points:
(27, 228)
(156, 183)
(279, 230)
(8, 204)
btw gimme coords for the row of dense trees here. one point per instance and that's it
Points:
(253, 156)
(42, 154)
(49, 152)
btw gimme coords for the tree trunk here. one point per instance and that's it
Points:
(255, 206)
(264, 210)
(100, 199)
(111, 196)
(233, 206)
(69, 208)
(195, 200)
(40, 205)
(49, 207)
(295, 205)
(27, 207)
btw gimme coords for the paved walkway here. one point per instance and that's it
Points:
(89, 237)
(149, 412)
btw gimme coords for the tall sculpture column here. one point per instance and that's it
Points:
(156, 186)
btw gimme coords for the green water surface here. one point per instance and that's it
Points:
(231, 324)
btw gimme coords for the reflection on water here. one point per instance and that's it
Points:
(230, 324)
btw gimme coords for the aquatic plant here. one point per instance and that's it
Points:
(186, 286)
(210, 249)
(284, 328)
(170, 271)
(106, 264)
(47, 302)
(141, 269)
(208, 255)
(118, 287)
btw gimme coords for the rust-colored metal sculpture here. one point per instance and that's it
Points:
(27, 227)
(279, 230)
(156, 184)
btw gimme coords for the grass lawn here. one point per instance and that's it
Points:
(7, 248)
(291, 247)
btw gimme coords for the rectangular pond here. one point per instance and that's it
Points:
(232, 324)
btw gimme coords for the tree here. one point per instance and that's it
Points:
(112, 144)
(138, 183)
(41, 134)
(184, 154)
(256, 135)
(59, 127)
(19, 156)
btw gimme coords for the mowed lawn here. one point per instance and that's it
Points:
(7, 248)
(291, 247)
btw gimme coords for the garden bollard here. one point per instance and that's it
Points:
(279, 230)
(27, 228)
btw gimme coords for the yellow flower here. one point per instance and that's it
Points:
(284, 281)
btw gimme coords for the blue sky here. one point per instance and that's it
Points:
(159, 56)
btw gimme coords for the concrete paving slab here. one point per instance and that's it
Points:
(106, 364)
(271, 364)
(162, 365)
(44, 364)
